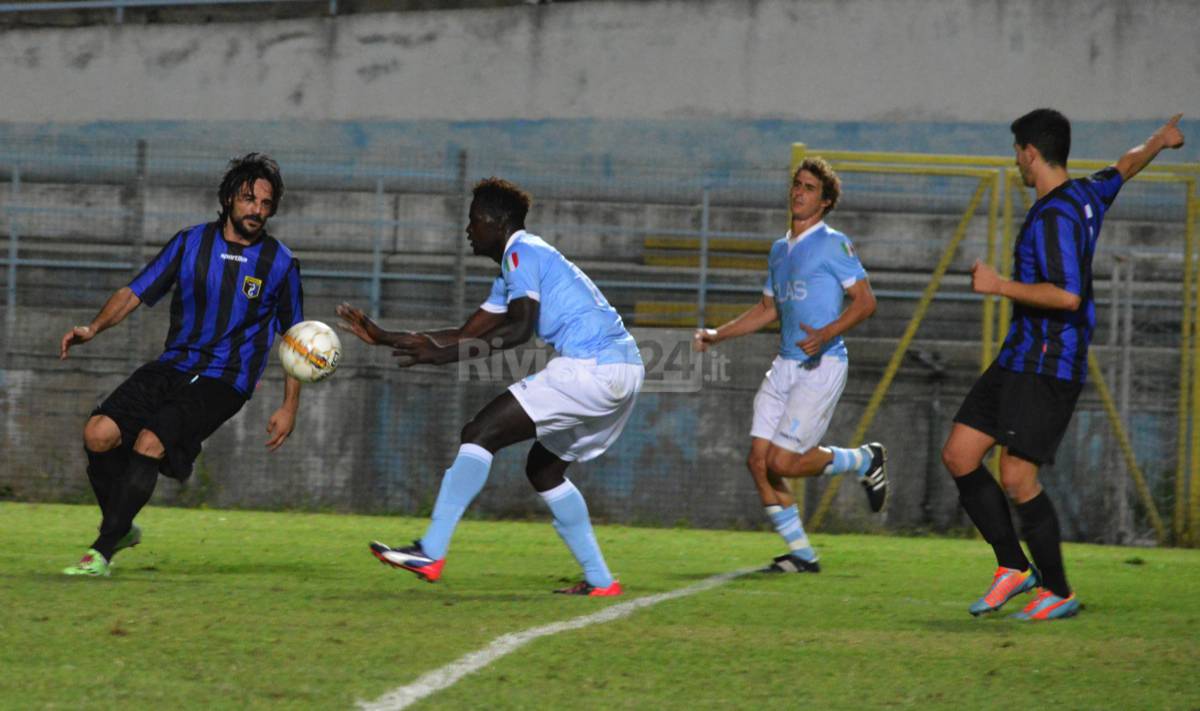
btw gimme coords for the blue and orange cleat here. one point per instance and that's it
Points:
(583, 587)
(1048, 606)
(1007, 584)
(410, 558)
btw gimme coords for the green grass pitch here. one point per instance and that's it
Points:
(250, 610)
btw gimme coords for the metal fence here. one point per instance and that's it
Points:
(668, 244)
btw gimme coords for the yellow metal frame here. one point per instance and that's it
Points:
(999, 182)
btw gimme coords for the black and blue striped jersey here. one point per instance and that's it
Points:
(229, 301)
(1056, 246)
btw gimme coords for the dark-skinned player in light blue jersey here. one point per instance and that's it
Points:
(811, 272)
(235, 286)
(1025, 399)
(575, 407)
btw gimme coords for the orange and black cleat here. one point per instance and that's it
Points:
(410, 558)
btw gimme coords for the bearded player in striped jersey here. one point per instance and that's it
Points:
(235, 287)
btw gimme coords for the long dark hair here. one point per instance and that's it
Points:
(248, 169)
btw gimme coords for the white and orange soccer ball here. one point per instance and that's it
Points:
(310, 351)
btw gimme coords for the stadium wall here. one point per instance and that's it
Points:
(822, 60)
(712, 81)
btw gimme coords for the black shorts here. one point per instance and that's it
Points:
(181, 409)
(1026, 412)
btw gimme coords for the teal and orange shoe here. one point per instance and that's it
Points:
(1007, 584)
(1048, 606)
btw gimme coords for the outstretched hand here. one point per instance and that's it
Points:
(280, 427)
(414, 349)
(354, 321)
(76, 336)
(1170, 134)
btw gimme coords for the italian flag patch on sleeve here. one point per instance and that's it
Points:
(511, 261)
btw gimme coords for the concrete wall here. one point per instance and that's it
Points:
(822, 60)
(376, 439)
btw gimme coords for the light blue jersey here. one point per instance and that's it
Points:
(573, 317)
(808, 279)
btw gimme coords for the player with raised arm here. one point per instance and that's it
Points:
(575, 407)
(809, 272)
(235, 286)
(1025, 398)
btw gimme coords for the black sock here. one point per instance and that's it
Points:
(1039, 525)
(987, 506)
(104, 470)
(131, 494)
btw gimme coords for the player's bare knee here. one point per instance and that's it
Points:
(148, 445)
(544, 480)
(782, 462)
(956, 462)
(757, 464)
(1018, 486)
(472, 433)
(101, 434)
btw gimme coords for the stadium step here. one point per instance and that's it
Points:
(682, 314)
(723, 253)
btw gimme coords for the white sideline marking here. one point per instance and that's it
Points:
(445, 677)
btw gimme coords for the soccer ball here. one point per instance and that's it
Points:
(310, 351)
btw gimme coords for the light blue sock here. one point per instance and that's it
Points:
(845, 461)
(787, 524)
(461, 484)
(574, 526)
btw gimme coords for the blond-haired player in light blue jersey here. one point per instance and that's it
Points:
(812, 271)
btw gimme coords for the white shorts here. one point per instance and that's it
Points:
(579, 407)
(794, 405)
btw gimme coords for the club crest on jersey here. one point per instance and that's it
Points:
(252, 287)
(511, 261)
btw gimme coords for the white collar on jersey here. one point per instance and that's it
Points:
(513, 238)
(792, 241)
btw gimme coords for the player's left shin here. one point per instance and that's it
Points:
(131, 494)
(574, 526)
(1043, 535)
(846, 460)
(461, 484)
(105, 470)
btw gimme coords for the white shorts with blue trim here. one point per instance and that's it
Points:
(795, 404)
(579, 407)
